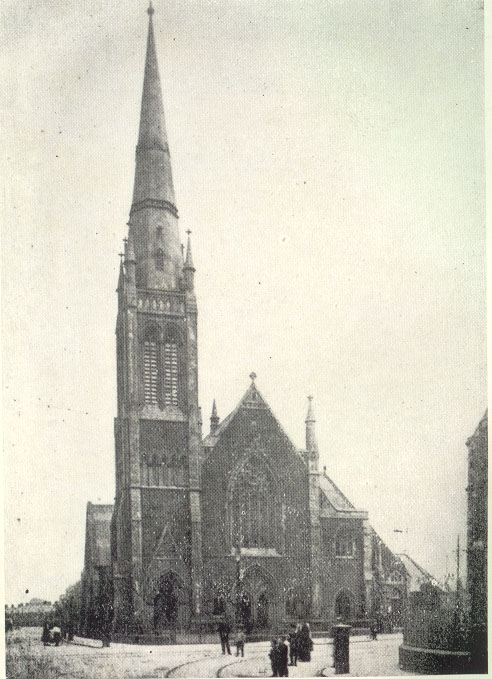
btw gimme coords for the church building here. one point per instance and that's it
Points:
(237, 522)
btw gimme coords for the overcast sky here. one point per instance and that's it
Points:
(328, 157)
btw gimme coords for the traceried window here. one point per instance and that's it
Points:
(170, 373)
(151, 371)
(345, 544)
(253, 508)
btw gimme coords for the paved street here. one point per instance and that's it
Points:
(85, 659)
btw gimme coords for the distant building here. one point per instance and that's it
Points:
(31, 614)
(477, 545)
(386, 582)
(416, 575)
(437, 638)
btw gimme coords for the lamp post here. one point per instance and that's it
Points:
(238, 582)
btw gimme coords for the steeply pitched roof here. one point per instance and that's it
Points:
(252, 399)
(417, 575)
(334, 495)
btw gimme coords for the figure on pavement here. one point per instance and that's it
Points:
(46, 636)
(293, 644)
(283, 657)
(240, 639)
(224, 629)
(274, 657)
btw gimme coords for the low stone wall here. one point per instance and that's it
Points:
(433, 661)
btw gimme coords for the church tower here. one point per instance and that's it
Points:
(156, 528)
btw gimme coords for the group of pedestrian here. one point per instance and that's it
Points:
(296, 646)
(239, 638)
(300, 643)
(51, 635)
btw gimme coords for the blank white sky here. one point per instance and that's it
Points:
(328, 157)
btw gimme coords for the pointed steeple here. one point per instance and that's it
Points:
(152, 131)
(153, 215)
(214, 419)
(153, 176)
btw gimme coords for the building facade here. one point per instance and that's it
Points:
(240, 523)
(477, 545)
(97, 572)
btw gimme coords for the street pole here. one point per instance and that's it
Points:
(238, 583)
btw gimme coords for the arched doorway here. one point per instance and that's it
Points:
(257, 607)
(171, 610)
(344, 608)
(298, 603)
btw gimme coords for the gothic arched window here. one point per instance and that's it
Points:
(151, 370)
(159, 259)
(253, 507)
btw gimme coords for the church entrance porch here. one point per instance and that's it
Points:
(256, 608)
(171, 606)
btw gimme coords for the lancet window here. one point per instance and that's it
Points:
(170, 373)
(159, 259)
(151, 370)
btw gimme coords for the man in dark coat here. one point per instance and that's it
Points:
(293, 645)
(283, 657)
(224, 629)
(273, 654)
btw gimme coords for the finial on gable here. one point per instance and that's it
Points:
(253, 376)
(310, 413)
(214, 419)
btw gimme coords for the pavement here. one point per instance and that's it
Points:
(85, 659)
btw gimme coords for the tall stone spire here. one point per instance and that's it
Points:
(153, 215)
(153, 175)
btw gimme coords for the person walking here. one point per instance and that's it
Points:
(293, 645)
(305, 643)
(224, 629)
(273, 654)
(46, 637)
